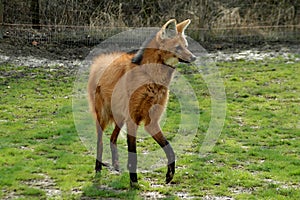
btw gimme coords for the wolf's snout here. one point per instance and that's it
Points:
(193, 58)
(189, 59)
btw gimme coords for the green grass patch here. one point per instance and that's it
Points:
(255, 157)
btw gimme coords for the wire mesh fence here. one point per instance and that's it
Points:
(74, 22)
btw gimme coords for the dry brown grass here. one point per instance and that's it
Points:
(209, 18)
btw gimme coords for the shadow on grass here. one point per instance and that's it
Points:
(118, 188)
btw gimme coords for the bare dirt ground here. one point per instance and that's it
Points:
(13, 48)
(28, 53)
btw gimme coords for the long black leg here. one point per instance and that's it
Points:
(132, 155)
(158, 136)
(99, 163)
(113, 147)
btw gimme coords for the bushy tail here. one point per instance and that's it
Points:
(97, 68)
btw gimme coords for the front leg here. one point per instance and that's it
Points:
(171, 165)
(132, 155)
(155, 131)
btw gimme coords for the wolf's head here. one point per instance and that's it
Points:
(168, 46)
(172, 41)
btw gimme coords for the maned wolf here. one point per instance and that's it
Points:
(130, 88)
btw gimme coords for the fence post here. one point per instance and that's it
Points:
(1, 19)
(35, 17)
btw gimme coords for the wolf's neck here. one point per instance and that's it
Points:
(158, 73)
(150, 58)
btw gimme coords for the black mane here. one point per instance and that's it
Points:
(139, 53)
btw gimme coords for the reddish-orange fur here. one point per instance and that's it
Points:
(121, 91)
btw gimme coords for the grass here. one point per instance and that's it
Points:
(256, 156)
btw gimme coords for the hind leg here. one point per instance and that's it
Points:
(113, 146)
(98, 166)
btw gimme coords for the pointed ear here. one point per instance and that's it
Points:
(182, 26)
(168, 30)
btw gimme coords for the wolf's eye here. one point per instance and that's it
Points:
(178, 48)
